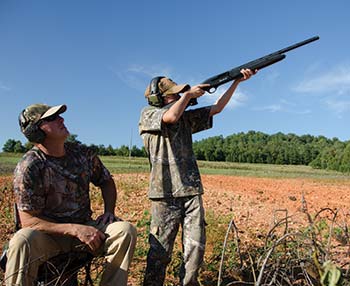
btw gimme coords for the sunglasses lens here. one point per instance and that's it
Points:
(51, 118)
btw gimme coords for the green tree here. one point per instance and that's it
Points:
(136, 152)
(102, 150)
(19, 148)
(110, 151)
(9, 145)
(122, 151)
(345, 160)
(13, 146)
(28, 146)
(72, 138)
(94, 147)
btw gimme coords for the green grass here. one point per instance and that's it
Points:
(140, 165)
(267, 170)
(8, 162)
(121, 165)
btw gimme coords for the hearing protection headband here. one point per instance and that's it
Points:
(155, 98)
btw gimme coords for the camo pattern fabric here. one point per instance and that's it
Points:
(167, 216)
(174, 170)
(59, 187)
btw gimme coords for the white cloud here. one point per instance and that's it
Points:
(332, 86)
(338, 106)
(4, 87)
(135, 76)
(283, 106)
(270, 108)
(238, 98)
(272, 76)
(149, 71)
(336, 81)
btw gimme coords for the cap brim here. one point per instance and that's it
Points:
(176, 89)
(58, 109)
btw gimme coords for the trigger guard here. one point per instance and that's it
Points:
(212, 90)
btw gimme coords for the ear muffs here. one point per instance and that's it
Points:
(31, 131)
(155, 98)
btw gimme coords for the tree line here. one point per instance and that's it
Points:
(290, 149)
(251, 147)
(16, 146)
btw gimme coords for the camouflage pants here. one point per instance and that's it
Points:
(167, 216)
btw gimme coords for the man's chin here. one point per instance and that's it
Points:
(67, 134)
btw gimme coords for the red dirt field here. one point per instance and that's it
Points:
(256, 199)
(254, 203)
(259, 198)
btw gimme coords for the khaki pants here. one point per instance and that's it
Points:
(28, 249)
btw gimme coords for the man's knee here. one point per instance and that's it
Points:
(37, 244)
(122, 229)
(25, 237)
(129, 230)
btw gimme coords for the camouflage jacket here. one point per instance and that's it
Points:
(174, 170)
(59, 187)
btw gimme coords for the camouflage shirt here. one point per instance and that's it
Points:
(174, 170)
(59, 187)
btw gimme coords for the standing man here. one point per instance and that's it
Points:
(175, 184)
(51, 185)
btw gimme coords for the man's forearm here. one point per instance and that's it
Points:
(109, 195)
(176, 110)
(35, 221)
(222, 101)
(225, 98)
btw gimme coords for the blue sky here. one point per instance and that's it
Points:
(98, 56)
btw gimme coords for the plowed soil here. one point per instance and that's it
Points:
(257, 200)
(254, 203)
(243, 197)
(260, 199)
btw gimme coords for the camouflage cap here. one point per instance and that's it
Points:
(167, 86)
(34, 113)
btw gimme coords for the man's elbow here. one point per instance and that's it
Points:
(29, 219)
(109, 185)
(215, 110)
(170, 118)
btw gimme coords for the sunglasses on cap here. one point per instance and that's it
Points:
(50, 118)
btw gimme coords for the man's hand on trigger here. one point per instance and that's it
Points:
(197, 90)
(247, 73)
